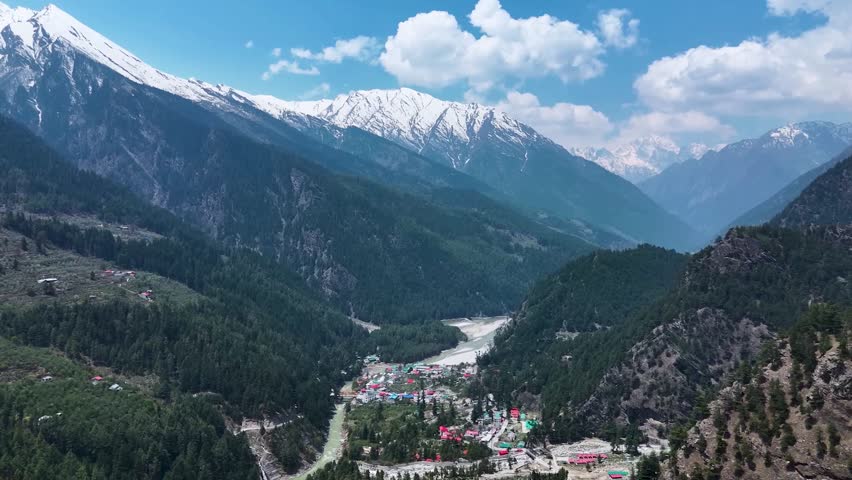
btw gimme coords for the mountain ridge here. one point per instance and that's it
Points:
(502, 152)
(712, 192)
(576, 189)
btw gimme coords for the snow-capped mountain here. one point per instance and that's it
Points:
(415, 120)
(112, 113)
(712, 192)
(644, 157)
(486, 143)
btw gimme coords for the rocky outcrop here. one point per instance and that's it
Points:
(814, 441)
(665, 372)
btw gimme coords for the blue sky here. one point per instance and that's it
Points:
(610, 96)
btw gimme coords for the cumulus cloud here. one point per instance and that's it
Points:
(359, 48)
(276, 52)
(807, 73)
(249, 44)
(432, 50)
(289, 67)
(565, 123)
(319, 91)
(617, 28)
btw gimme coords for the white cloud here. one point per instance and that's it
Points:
(432, 50)
(617, 28)
(809, 73)
(790, 7)
(359, 48)
(276, 52)
(289, 67)
(565, 123)
(319, 91)
(669, 124)
(249, 44)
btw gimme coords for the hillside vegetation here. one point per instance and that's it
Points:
(666, 356)
(786, 415)
(57, 424)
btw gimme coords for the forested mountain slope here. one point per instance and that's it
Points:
(366, 248)
(57, 424)
(582, 301)
(657, 363)
(228, 322)
(827, 200)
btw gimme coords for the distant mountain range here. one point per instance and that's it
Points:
(712, 192)
(81, 92)
(771, 207)
(644, 157)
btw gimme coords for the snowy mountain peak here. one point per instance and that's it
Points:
(798, 133)
(31, 34)
(788, 134)
(410, 118)
(642, 158)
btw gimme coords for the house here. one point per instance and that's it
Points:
(48, 280)
(97, 378)
(46, 378)
(115, 387)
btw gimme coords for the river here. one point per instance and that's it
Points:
(480, 332)
(333, 444)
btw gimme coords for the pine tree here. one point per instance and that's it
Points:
(821, 448)
(833, 439)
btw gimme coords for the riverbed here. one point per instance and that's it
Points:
(479, 332)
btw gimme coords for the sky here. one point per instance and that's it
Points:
(585, 73)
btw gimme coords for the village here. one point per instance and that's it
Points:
(415, 418)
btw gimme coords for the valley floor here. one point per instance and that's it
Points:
(443, 378)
